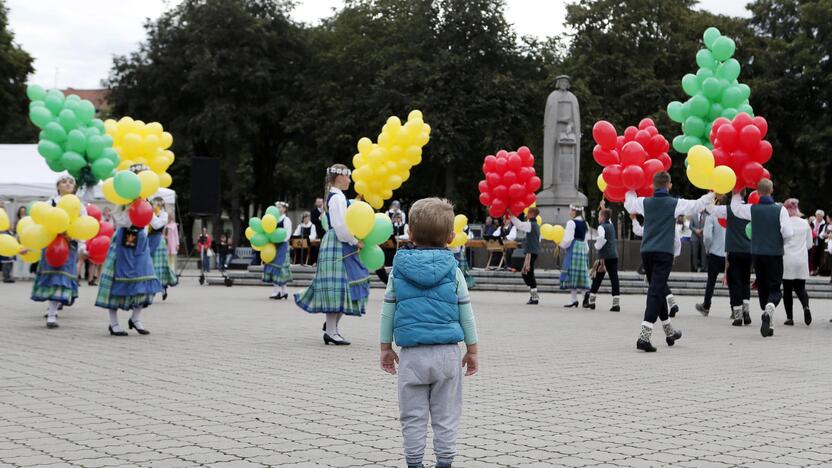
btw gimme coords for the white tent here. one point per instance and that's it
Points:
(24, 176)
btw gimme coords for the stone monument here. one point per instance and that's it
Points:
(561, 154)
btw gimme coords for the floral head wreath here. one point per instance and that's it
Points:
(577, 208)
(282, 204)
(63, 178)
(339, 171)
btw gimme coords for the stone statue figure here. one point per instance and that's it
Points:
(561, 153)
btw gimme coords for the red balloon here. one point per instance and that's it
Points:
(490, 164)
(763, 152)
(533, 185)
(615, 194)
(651, 167)
(727, 136)
(722, 222)
(97, 248)
(632, 177)
(528, 161)
(106, 229)
(750, 137)
(57, 252)
(720, 121)
(630, 133)
(94, 211)
(524, 151)
(645, 191)
(530, 199)
(643, 138)
(720, 158)
(612, 175)
(515, 162)
(518, 207)
(500, 205)
(761, 123)
(483, 186)
(653, 131)
(525, 174)
(754, 198)
(502, 165)
(495, 211)
(502, 154)
(485, 198)
(657, 145)
(752, 172)
(499, 192)
(766, 174)
(604, 157)
(141, 213)
(604, 134)
(738, 161)
(666, 161)
(741, 120)
(632, 154)
(516, 191)
(619, 143)
(645, 123)
(493, 179)
(509, 178)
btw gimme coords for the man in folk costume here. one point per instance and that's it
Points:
(279, 270)
(738, 262)
(574, 274)
(531, 249)
(607, 247)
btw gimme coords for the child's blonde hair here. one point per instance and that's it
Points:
(431, 222)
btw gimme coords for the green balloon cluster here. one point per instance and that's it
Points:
(372, 255)
(714, 92)
(71, 138)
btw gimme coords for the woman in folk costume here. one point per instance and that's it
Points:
(574, 274)
(279, 271)
(58, 285)
(341, 284)
(159, 247)
(128, 279)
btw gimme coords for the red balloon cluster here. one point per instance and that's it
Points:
(141, 213)
(630, 160)
(510, 182)
(94, 211)
(97, 246)
(739, 145)
(57, 252)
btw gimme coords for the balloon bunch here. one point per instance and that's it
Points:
(552, 233)
(382, 167)
(48, 227)
(97, 246)
(739, 144)
(714, 92)
(71, 139)
(371, 228)
(460, 238)
(129, 188)
(704, 172)
(140, 143)
(631, 160)
(510, 182)
(264, 234)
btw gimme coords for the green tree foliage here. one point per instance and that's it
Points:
(15, 66)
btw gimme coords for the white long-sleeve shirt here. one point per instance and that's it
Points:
(522, 226)
(743, 211)
(287, 225)
(337, 209)
(313, 234)
(601, 241)
(159, 220)
(510, 235)
(635, 204)
(638, 230)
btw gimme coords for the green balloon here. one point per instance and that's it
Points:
(372, 257)
(705, 59)
(76, 141)
(256, 224)
(274, 211)
(40, 116)
(699, 105)
(73, 98)
(690, 84)
(95, 147)
(711, 34)
(259, 240)
(723, 48)
(703, 74)
(674, 111)
(277, 236)
(102, 168)
(86, 111)
(745, 89)
(91, 131)
(34, 104)
(694, 126)
(73, 161)
(50, 150)
(68, 120)
(679, 144)
(381, 232)
(127, 185)
(55, 132)
(729, 70)
(748, 230)
(712, 88)
(35, 92)
(99, 124)
(729, 113)
(690, 141)
(55, 164)
(745, 107)
(732, 96)
(54, 101)
(111, 154)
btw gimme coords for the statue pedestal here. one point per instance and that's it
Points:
(554, 206)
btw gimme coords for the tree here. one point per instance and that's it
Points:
(15, 67)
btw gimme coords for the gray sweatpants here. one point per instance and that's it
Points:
(430, 384)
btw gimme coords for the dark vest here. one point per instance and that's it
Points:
(735, 239)
(531, 245)
(659, 224)
(580, 229)
(765, 230)
(610, 249)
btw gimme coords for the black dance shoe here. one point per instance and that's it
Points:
(645, 346)
(765, 328)
(789, 322)
(532, 301)
(585, 303)
(703, 310)
(132, 326)
(673, 311)
(746, 318)
(117, 333)
(52, 325)
(573, 305)
(671, 340)
(615, 309)
(328, 339)
(807, 317)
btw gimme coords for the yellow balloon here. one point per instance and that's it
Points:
(24, 223)
(37, 236)
(31, 256)
(700, 178)
(4, 220)
(250, 233)
(57, 221)
(150, 183)
(269, 223)
(125, 164)
(700, 157)
(165, 140)
(360, 219)
(83, 229)
(267, 253)
(602, 184)
(376, 201)
(460, 221)
(365, 145)
(358, 160)
(150, 144)
(165, 180)
(413, 155)
(132, 145)
(539, 220)
(9, 247)
(154, 128)
(557, 234)
(110, 193)
(460, 239)
(547, 231)
(723, 179)
(71, 204)
(415, 114)
(38, 211)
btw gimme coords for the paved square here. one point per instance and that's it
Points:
(230, 378)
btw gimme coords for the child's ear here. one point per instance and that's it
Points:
(451, 237)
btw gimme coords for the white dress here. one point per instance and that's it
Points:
(796, 251)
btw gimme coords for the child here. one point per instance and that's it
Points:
(159, 248)
(574, 274)
(713, 235)
(738, 262)
(670, 299)
(657, 248)
(279, 271)
(531, 249)
(341, 284)
(770, 227)
(427, 311)
(607, 248)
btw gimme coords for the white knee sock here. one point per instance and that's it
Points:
(114, 320)
(276, 290)
(283, 289)
(337, 323)
(52, 311)
(332, 324)
(573, 294)
(136, 317)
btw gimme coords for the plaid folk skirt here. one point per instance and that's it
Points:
(337, 287)
(162, 267)
(279, 274)
(575, 271)
(105, 299)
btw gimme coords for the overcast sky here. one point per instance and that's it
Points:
(73, 42)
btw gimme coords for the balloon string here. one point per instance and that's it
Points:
(348, 255)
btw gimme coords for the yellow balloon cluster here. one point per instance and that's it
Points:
(139, 143)
(552, 233)
(384, 166)
(45, 222)
(702, 173)
(460, 238)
